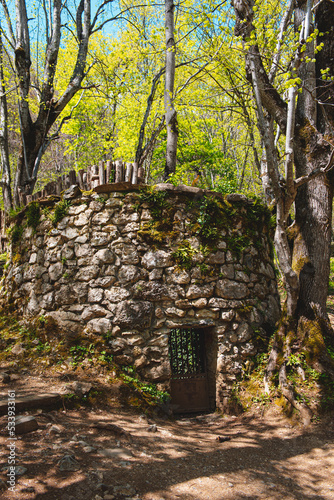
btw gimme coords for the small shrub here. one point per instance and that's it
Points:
(150, 392)
(156, 201)
(13, 212)
(184, 255)
(15, 233)
(59, 212)
(33, 215)
(3, 257)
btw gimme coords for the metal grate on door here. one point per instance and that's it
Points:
(187, 352)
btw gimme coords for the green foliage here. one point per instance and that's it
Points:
(100, 199)
(238, 243)
(15, 233)
(155, 199)
(3, 257)
(202, 163)
(13, 212)
(104, 357)
(296, 359)
(43, 347)
(209, 218)
(150, 392)
(157, 230)
(331, 277)
(81, 352)
(33, 214)
(184, 255)
(59, 212)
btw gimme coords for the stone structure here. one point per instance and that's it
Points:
(135, 265)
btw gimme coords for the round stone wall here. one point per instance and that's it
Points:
(133, 265)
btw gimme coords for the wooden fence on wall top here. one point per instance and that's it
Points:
(104, 173)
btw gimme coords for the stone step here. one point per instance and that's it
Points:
(30, 401)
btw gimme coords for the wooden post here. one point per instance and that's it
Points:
(108, 171)
(72, 177)
(80, 181)
(48, 188)
(113, 171)
(95, 179)
(102, 178)
(36, 195)
(128, 172)
(141, 175)
(53, 187)
(22, 199)
(59, 186)
(119, 177)
(85, 181)
(89, 178)
(135, 173)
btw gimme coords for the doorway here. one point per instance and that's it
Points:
(188, 360)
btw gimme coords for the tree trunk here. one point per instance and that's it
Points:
(34, 134)
(311, 251)
(313, 149)
(171, 116)
(4, 152)
(310, 149)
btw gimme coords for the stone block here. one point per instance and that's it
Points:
(70, 233)
(99, 326)
(231, 289)
(196, 291)
(25, 424)
(134, 314)
(116, 294)
(128, 274)
(158, 258)
(174, 311)
(95, 295)
(56, 271)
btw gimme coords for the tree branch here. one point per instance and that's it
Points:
(11, 38)
(283, 26)
(150, 99)
(315, 173)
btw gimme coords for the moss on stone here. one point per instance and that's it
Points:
(184, 255)
(33, 214)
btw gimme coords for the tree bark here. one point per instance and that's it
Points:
(314, 139)
(309, 130)
(171, 115)
(4, 152)
(34, 133)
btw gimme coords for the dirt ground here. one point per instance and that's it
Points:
(258, 456)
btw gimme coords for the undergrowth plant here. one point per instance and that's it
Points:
(155, 199)
(151, 394)
(33, 214)
(184, 255)
(59, 212)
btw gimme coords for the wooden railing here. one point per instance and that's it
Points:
(96, 175)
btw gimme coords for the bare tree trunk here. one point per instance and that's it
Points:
(140, 157)
(34, 134)
(5, 166)
(310, 151)
(171, 115)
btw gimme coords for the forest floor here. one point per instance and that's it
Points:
(261, 454)
(113, 452)
(101, 448)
